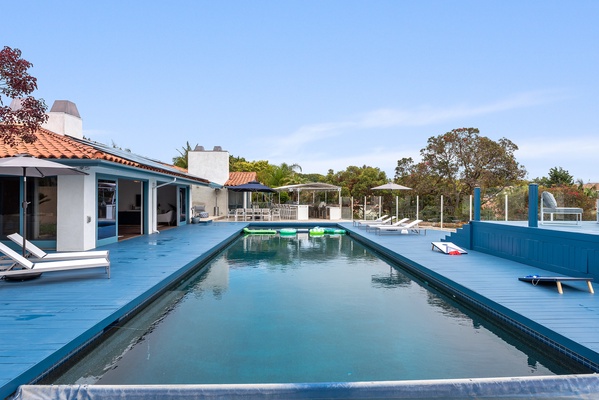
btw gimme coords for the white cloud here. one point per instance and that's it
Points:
(571, 147)
(385, 118)
(310, 135)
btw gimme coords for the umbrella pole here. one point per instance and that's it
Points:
(24, 206)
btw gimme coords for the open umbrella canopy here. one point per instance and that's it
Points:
(26, 165)
(253, 186)
(391, 186)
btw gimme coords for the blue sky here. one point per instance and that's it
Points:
(324, 84)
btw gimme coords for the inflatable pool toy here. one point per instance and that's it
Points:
(259, 231)
(316, 231)
(287, 232)
(334, 231)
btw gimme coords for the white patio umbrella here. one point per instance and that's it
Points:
(392, 186)
(26, 166)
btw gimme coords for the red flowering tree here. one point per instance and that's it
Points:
(20, 122)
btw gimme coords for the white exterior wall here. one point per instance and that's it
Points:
(64, 124)
(76, 214)
(214, 166)
(77, 208)
(211, 165)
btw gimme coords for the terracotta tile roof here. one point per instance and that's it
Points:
(240, 178)
(55, 146)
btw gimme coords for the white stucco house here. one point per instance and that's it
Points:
(121, 194)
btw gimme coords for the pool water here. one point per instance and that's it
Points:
(271, 309)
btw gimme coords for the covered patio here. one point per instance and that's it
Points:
(315, 203)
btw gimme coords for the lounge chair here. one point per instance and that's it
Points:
(549, 206)
(373, 227)
(37, 254)
(536, 279)
(165, 218)
(412, 227)
(448, 248)
(365, 224)
(357, 221)
(31, 269)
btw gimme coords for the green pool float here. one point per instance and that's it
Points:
(259, 231)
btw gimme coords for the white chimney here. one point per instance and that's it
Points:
(64, 119)
(212, 165)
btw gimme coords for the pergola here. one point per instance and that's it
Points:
(310, 187)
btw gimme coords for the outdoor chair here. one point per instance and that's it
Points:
(239, 214)
(265, 215)
(549, 206)
(275, 213)
(373, 227)
(165, 218)
(357, 221)
(412, 227)
(37, 254)
(30, 269)
(199, 211)
(366, 224)
(231, 214)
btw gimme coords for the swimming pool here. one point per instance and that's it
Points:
(270, 310)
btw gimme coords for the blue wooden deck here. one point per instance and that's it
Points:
(44, 320)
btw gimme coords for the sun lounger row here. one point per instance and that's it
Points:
(386, 225)
(365, 224)
(16, 266)
(367, 221)
(404, 228)
(374, 227)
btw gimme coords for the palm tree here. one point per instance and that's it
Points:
(181, 160)
(281, 175)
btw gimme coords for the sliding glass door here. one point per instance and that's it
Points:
(107, 201)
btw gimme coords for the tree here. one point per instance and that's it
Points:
(463, 159)
(18, 123)
(454, 163)
(181, 160)
(240, 164)
(558, 177)
(357, 181)
(281, 175)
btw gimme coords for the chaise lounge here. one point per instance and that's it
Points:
(37, 254)
(366, 224)
(31, 269)
(549, 206)
(411, 227)
(374, 227)
(358, 221)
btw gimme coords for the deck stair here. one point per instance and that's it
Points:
(460, 237)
